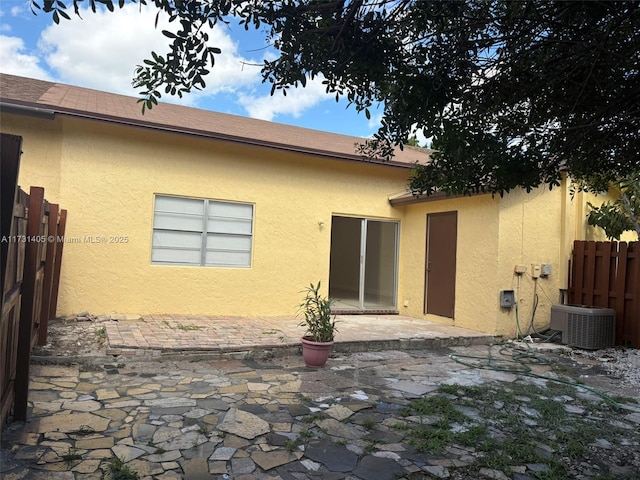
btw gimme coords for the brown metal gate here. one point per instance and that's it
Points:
(607, 274)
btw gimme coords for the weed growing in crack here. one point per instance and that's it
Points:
(368, 423)
(83, 430)
(71, 454)
(120, 471)
(189, 328)
(511, 426)
(312, 418)
(101, 333)
(290, 445)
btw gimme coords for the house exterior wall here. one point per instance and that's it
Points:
(40, 162)
(476, 265)
(531, 232)
(108, 175)
(494, 235)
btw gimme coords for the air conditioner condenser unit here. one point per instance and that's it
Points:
(590, 328)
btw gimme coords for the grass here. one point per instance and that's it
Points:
(312, 418)
(120, 471)
(183, 327)
(71, 454)
(306, 434)
(83, 430)
(101, 334)
(369, 423)
(290, 445)
(189, 328)
(508, 410)
(370, 447)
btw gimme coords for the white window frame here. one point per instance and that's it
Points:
(219, 235)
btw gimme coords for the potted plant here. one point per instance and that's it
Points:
(317, 341)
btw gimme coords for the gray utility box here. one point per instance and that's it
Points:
(585, 327)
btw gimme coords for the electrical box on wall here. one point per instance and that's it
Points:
(535, 270)
(545, 269)
(507, 298)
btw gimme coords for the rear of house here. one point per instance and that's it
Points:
(194, 212)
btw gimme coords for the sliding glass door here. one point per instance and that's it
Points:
(363, 271)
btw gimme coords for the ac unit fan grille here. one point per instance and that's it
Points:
(583, 326)
(590, 331)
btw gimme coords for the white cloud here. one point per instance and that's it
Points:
(17, 10)
(295, 103)
(16, 60)
(5, 27)
(101, 51)
(375, 121)
(423, 141)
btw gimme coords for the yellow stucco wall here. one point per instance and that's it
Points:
(106, 176)
(110, 173)
(531, 232)
(45, 144)
(494, 235)
(476, 263)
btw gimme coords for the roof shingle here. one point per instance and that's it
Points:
(70, 100)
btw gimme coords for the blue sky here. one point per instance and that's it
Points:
(101, 50)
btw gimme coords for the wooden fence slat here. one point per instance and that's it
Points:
(578, 272)
(601, 274)
(10, 150)
(590, 273)
(10, 271)
(28, 304)
(619, 304)
(607, 274)
(632, 320)
(49, 268)
(55, 283)
(29, 273)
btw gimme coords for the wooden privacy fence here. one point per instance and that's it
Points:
(31, 242)
(607, 274)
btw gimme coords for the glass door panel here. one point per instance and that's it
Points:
(363, 268)
(380, 265)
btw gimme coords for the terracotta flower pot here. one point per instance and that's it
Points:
(315, 354)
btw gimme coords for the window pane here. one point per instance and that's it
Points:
(231, 210)
(228, 250)
(228, 225)
(174, 213)
(176, 248)
(228, 259)
(228, 242)
(229, 218)
(178, 236)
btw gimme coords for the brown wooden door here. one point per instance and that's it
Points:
(440, 276)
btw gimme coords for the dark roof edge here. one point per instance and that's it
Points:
(409, 198)
(21, 109)
(30, 109)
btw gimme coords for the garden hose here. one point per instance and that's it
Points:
(519, 363)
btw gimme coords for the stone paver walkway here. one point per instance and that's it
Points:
(245, 420)
(156, 335)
